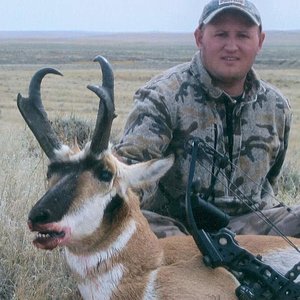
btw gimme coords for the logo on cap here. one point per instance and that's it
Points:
(240, 2)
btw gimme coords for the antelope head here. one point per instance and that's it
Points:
(89, 201)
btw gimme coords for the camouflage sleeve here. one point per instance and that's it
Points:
(274, 173)
(148, 130)
(147, 133)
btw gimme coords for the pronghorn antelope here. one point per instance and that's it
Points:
(90, 209)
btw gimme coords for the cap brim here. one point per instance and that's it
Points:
(216, 12)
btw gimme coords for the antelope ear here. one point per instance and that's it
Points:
(143, 174)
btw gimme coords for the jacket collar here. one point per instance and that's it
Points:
(252, 87)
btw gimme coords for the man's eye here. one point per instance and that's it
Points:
(243, 36)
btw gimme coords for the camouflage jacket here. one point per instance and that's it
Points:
(182, 104)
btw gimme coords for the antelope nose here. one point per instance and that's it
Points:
(39, 216)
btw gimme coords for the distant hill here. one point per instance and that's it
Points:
(75, 35)
(151, 49)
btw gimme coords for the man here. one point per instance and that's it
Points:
(218, 99)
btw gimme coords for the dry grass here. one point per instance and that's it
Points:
(25, 272)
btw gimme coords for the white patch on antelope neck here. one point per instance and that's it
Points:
(150, 291)
(88, 217)
(81, 265)
(282, 260)
(103, 287)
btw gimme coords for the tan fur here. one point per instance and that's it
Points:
(181, 272)
(265, 244)
(179, 263)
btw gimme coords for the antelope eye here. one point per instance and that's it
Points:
(105, 175)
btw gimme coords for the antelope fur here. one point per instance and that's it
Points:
(125, 260)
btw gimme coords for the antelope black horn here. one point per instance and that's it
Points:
(106, 111)
(34, 114)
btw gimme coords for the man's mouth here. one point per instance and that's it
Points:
(230, 58)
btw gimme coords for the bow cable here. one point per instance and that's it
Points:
(246, 199)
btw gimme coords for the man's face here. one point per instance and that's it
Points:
(229, 45)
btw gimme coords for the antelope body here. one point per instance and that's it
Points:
(90, 209)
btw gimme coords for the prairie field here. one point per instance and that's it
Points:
(26, 273)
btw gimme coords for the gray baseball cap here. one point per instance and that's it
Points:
(214, 7)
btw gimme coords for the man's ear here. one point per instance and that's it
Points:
(198, 34)
(262, 36)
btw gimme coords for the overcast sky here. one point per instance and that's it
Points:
(129, 15)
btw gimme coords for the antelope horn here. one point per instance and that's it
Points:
(34, 114)
(106, 111)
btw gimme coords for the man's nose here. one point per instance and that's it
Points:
(231, 44)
